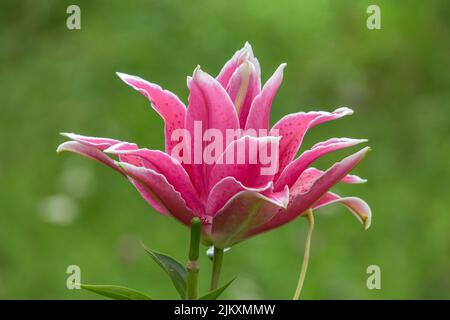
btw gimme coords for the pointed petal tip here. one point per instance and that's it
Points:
(354, 179)
(69, 135)
(247, 50)
(280, 70)
(61, 148)
(198, 73)
(124, 77)
(285, 202)
(367, 222)
(344, 111)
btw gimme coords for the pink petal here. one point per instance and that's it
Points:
(357, 206)
(350, 178)
(244, 85)
(309, 189)
(224, 190)
(211, 108)
(149, 197)
(89, 152)
(291, 173)
(244, 54)
(120, 149)
(170, 168)
(239, 160)
(244, 211)
(156, 185)
(99, 143)
(93, 147)
(292, 129)
(259, 114)
(167, 104)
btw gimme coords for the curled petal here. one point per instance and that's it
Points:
(291, 173)
(167, 104)
(99, 143)
(92, 148)
(89, 152)
(245, 210)
(309, 189)
(156, 185)
(253, 161)
(259, 114)
(244, 54)
(169, 167)
(293, 127)
(357, 206)
(224, 190)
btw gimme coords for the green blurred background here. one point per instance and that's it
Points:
(57, 211)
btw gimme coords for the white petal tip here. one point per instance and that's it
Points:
(123, 76)
(344, 111)
(60, 148)
(66, 146)
(68, 134)
(367, 222)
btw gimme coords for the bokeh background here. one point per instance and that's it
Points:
(57, 211)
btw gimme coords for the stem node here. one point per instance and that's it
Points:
(192, 266)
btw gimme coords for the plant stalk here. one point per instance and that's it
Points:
(217, 266)
(309, 216)
(192, 266)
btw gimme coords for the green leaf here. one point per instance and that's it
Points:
(176, 271)
(116, 292)
(213, 295)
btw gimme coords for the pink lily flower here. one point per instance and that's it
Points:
(234, 201)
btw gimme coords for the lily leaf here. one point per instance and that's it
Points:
(176, 271)
(116, 292)
(213, 295)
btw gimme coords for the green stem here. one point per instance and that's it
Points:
(217, 265)
(309, 216)
(192, 266)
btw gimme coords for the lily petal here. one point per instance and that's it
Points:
(169, 167)
(259, 114)
(243, 160)
(245, 210)
(244, 85)
(293, 127)
(210, 107)
(246, 53)
(224, 190)
(164, 102)
(89, 152)
(309, 189)
(92, 148)
(291, 173)
(160, 189)
(355, 205)
(350, 178)
(99, 143)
